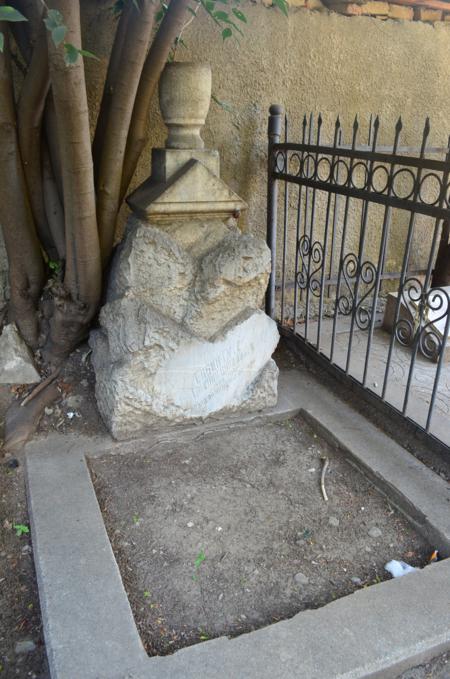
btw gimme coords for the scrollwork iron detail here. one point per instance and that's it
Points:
(311, 257)
(421, 330)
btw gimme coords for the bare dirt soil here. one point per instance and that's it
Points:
(439, 668)
(230, 532)
(19, 606)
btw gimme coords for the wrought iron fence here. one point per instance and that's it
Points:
(355, 230)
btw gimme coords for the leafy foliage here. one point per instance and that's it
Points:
(8, 13)
(54, 22)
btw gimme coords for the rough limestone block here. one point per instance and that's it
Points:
(199, 236)
(372, 8)
(16, 361)
(231, 278)
(401, 12)
(149, 263)
(426, 14)
(184, 379)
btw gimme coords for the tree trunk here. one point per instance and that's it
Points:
(76, 302)
(170, 27)
(441, 273)
(30, 111)
(26, 269)
(114, 137)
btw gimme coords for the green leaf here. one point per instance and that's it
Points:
(71, 54)
(21, 529)
(2, 42)
(53, 19)
(227, 33)
(282, 5)
(90, 55)
(240, 15)
(222, 16)
(8, 13)
(58, 35)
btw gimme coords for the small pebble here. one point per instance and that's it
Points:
(301, 579)
(357, 581)
(49, 411)
(221, 596)
(190, 524)
(333, 521)
(25, 646)
(374, 532)
(26, 549)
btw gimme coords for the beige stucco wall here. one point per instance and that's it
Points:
(310, 61)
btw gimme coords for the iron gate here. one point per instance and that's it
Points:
(355, 230)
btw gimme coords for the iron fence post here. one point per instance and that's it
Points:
(274, 132)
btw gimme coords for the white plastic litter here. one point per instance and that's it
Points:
(399, 568)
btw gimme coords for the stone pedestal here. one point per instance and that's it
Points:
(182, 336)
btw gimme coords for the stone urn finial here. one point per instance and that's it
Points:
(184, 99)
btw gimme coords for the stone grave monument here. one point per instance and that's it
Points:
(182, 336)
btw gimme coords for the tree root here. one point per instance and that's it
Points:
(21, 422)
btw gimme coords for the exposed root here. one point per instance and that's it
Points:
(21, 422)
(40, 387)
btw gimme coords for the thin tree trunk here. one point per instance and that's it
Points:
(54, 211)
(170, 27)
(26, 269)
(77, 302)
(29, 117)
(109, 176)
(112, 75)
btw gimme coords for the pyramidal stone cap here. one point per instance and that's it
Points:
(193, 190)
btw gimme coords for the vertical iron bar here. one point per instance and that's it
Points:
(382, 252)
(422, 305)
(274, 131)
(311, 227)
(325, 236)
(439, 366)
(362, 240)
(412, 221)
(297, 234)
(343, 239)
(285, 222)
(335, 222)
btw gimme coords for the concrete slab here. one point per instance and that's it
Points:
(376, 632)
(87, 619)
(289, 403)
(422, 495)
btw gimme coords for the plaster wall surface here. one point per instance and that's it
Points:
(310, 61)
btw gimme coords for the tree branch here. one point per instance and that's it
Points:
(170, 27)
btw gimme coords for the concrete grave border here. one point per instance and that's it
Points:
(376, 632)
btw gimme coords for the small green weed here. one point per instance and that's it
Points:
(21, 529)
(201, 556)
